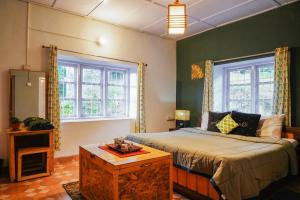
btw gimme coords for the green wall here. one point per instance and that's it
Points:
(258, 34)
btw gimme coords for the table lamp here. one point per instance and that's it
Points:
(182, 118)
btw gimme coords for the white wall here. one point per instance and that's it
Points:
(76, 33)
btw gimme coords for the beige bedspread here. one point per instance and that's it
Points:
(240, 166)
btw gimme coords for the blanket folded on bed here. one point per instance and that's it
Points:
(240, 166)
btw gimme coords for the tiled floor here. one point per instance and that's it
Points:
(48, 188)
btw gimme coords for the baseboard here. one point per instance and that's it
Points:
(64, 159)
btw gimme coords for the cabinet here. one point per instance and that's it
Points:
(31, 154)
(104, 176)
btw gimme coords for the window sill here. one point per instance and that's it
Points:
(94, 120)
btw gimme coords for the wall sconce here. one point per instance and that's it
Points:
(101, 41)
(197, 72)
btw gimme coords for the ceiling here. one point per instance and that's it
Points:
(150, 15)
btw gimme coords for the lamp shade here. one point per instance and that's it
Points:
(183, 115)
(177, 18)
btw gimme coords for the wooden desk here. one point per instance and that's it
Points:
(104, 176)
(28, 139)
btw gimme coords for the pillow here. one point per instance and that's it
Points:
(227, 124)
(271, 126)
(204, 121)
(248, 123)
(213, 119)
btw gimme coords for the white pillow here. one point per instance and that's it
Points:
(271, 126)
(204, 121)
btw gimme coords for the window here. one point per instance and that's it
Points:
(96, 90)
(246, 86)
(67, 76)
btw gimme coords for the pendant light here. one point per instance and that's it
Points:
(177, 21)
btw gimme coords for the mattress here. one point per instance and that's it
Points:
(240, 166)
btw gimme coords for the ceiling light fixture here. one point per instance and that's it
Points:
(177, 20)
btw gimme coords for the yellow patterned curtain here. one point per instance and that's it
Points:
(140, 124)
(53, 109)
(207, 103)
(282, 91)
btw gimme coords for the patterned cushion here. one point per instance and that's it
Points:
(213, 119)
(227, 124)
(248, 123)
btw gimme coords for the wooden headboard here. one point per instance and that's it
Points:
(291, 132)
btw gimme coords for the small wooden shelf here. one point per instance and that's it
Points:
(33, 163)
(31, 154)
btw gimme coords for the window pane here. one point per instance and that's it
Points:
(266, 91)
(91, 108)
(265, 106)
(91, 75)
(91, 91)
(66, 90)
(66, 73)
(240, 105)
(116, 92)
(266, 98)
(116, 77)
(67, 108)
(266, 73)
(240, 76)
(115, 107)
(240, 92)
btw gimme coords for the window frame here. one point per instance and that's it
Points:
(254, 82)
(75, 66)
(126, 89)
(79, 66)
(80, 83)
(258, 82)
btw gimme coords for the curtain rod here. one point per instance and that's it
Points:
(241, 57)
(128, 61)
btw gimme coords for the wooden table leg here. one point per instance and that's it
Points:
(12, 163)
(51, 153)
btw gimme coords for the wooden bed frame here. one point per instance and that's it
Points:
(197, 186)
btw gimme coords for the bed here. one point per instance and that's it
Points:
(231, 166)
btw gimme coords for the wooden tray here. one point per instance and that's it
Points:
(134, 149)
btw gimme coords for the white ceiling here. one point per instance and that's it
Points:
(150, 15)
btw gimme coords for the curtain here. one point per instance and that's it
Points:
(53, 105)
(140, 125)
(207, 104)
(282, 93)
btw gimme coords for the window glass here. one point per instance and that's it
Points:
(116, 77)
(92, 91)
(240, 76)
(116, 93)
(245, 86)
(67, 108)
(67, 89)
(115, 107)
(66, 73)
(91, 75)
(91, 108)
(265, 89)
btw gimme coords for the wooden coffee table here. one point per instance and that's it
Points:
(104, 176)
